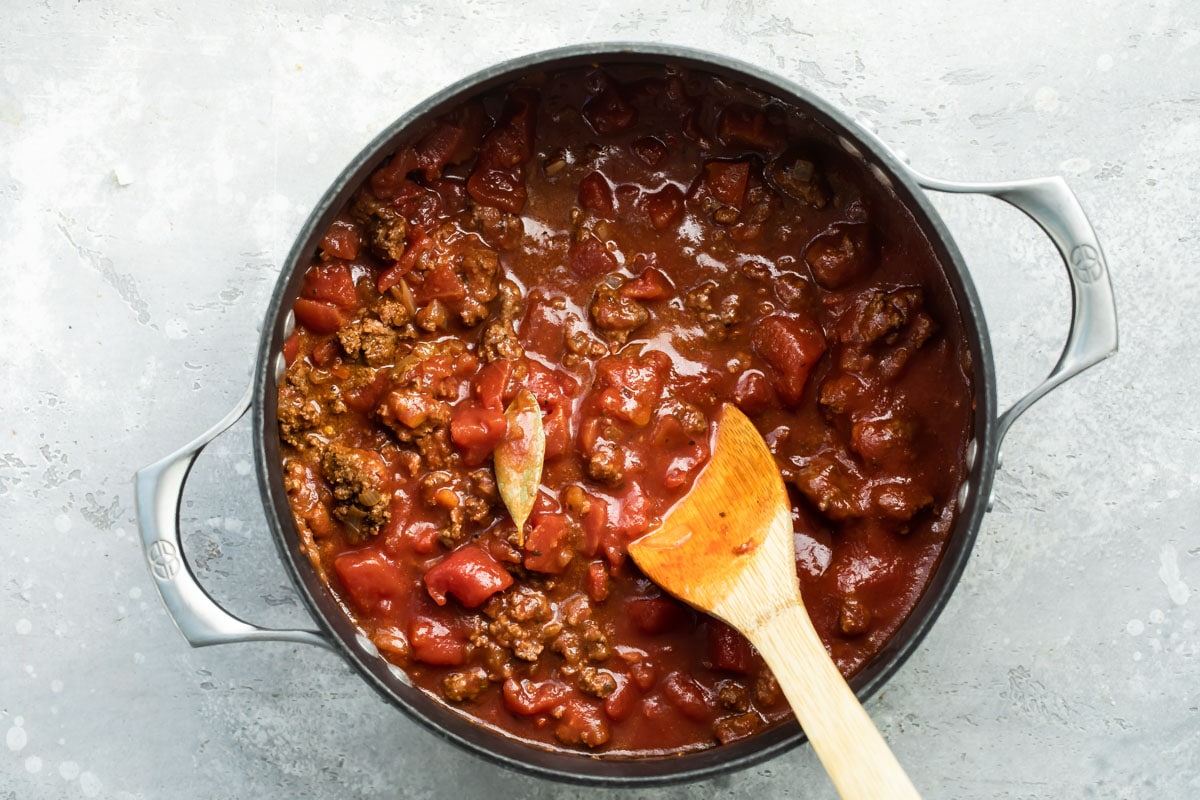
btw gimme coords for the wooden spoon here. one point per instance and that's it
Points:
(727, 549)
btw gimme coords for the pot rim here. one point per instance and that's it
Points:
(497, 746)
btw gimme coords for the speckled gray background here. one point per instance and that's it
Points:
(157, 159)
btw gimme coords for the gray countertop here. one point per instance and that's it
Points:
(156, 161)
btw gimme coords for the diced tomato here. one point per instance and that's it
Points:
(491, 384)
(682, 452)
(630, 386)
(386, 181)
(476, 430)
(595, 523)
(510, 143)
(408, 407)
(452, 194)
(504, 189)
(728, 649)
(650, 285)
(596, 195)
(596, 582)
(726, 180)
(753, 394)
(644, 675)
(608, 112)
(326, 352)
(550, 387)
(623, 700)
(441, 283)
(418, 243)
(581, 722)
(664, 207)
(366, 397)
(451, 141)
(791, 345)
(655, 615)
(546, 547)
(590, 258)
(470, 574)
(557, 428)
(342, 240)
(745, 125)
(319, 317)
(330, 283)
(841, 255)
(525, 697)
(687, 695)
(650, 150)
(633, 519)
(436, 642)
(374, 584)
(291, 348)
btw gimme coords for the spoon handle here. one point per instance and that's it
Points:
(858, 760)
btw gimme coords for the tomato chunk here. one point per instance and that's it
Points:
(726, 180)
(596, 195)
(476, 430)
(331, 283)
(745, 125)
(342, 240)
(590, 258)
(386, 182)
(655, 615)
(525, 697)
(608, 112)
(436, 642)
(791, 346)
(630, 386)
(728, 649)
(664, 207)
(547, 548)
(491, 384)
(319, 317)
(375, 585)
(470, 574)
(650, 285)
(441, 283)
(504, 189)
(688, 696)
(451, 141)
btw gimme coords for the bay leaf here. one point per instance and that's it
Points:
(519, 459)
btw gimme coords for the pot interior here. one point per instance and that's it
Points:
(390, 680)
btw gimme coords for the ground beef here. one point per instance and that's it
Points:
(596, 682)
(300, 409)
(499, 337)
(521, 622)
(615, 315)
(466, 685)
(369, 340)
(714, 316)
(386, 229)
(359, 479)
(499, 340)
(466, 497)
(498, 228)
(738, 726)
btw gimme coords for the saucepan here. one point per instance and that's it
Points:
(1092, 337)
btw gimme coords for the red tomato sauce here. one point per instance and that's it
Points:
(635, 247)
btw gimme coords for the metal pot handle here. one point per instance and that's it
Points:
(159, 490)
(1054, 207)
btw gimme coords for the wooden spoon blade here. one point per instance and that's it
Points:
(727, 548)
(710, 536)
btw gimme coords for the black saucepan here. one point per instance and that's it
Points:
(1092, 337)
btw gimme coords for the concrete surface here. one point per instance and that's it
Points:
(156, 161)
